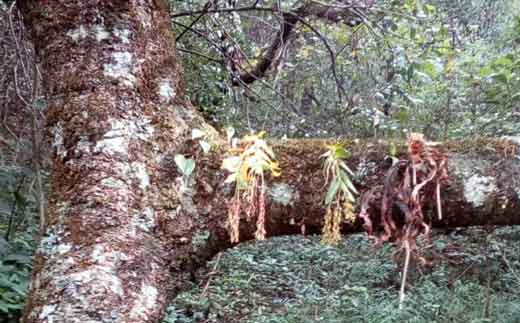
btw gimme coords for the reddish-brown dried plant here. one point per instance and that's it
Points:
(397, 205)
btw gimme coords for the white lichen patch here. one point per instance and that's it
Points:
(145, 302)
(58, 142)
(144, 17)
(185, 192)
(83, 146)
(166, 91)
(517, 191)
(106, 257)
(100, 32)
(200, 238)
(141, 174)
(113, 183)
(78, 34)
(46, 313)
(98, 253)
(282, 193)
(477, 189)
(62, 208)
(52, 244)
(63, 248)
(142, 129)
(149, 216)
(144, 221)
(99, 279)
(116, 139)
(121, 68)
(123, 35)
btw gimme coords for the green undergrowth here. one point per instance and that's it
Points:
(474, 277)
(16, 258)
(18, 228)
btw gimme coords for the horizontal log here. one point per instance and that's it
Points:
(484, 188)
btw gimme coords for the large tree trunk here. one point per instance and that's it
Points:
(115, 112)
(123, 225)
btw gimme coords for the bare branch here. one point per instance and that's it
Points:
(346, 14)
(351, 14)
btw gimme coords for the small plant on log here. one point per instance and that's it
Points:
(255, 159)
(339, 199)
(408, 185)
(186, 167)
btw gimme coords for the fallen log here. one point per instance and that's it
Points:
(484, 189)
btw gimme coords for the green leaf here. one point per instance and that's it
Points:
(429, 8)
(345, 167)
(186, 166)
(409, 72)
(180, 161)
(206, 147)
(503, 61)
(341, 153)
(413, 32)
(351, 186)
(190, 167)
(19, 258)
(430, 69)
(502, 76)
(350, 197)
(333, 189)
(485, 71)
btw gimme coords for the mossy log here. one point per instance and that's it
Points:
(484, 187)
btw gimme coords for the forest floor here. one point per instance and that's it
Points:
(473, 276)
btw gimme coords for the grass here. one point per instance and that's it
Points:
(473, 277)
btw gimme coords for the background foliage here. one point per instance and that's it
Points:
(448, 69)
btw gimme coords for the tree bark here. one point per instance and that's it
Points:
(124, 226)
(116, 112)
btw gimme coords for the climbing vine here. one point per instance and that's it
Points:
(339, 199)
(248, 166)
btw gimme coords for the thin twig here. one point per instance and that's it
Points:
(340, 88)
(405, 273)
(204, 11)
(209, 58)
(211, 11)
(211, 274)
